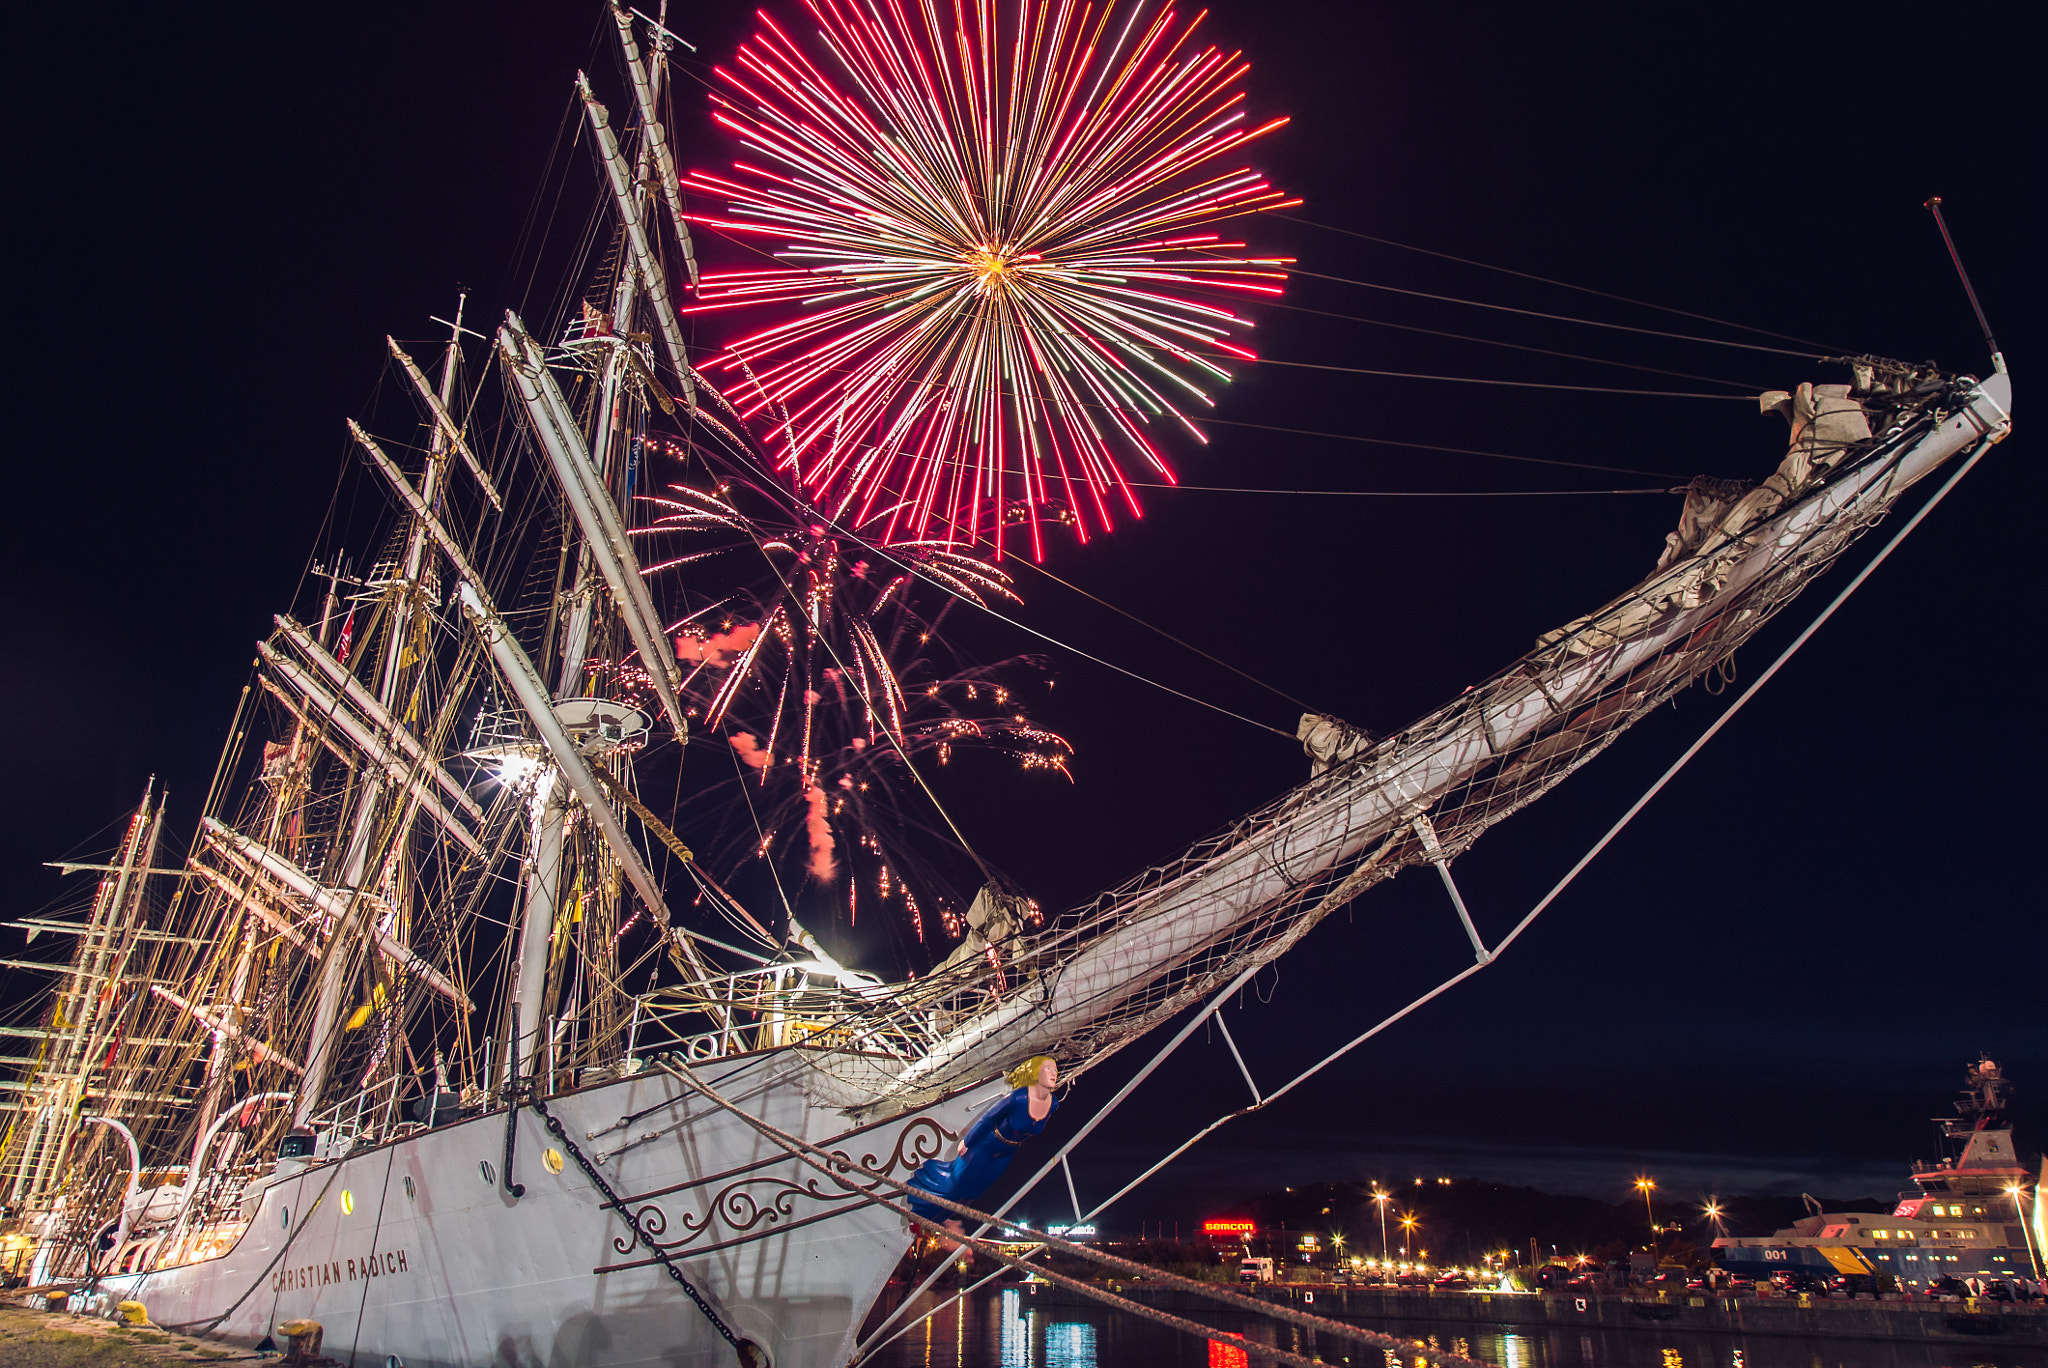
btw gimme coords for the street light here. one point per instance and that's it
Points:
(1407, 1225)
(1713, 1211)
(1381, 1198)
(1644, 1185)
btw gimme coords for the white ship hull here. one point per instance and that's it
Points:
(417, 1251)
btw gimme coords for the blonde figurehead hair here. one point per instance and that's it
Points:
(1026, 1074)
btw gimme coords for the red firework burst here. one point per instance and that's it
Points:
(996, 233)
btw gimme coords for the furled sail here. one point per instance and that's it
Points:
(1141, 953)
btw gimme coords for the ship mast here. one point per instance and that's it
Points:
(83, 1019)
(403, 646)
(607, 589)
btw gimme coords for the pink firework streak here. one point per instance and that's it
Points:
(994, 230)
(818, 823)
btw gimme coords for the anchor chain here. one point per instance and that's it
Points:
(749, 1353)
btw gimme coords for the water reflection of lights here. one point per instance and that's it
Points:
(1067, 1344)
(1016, 1331)
(1070, 1344)
(1223, 1354)
(1516, 1350)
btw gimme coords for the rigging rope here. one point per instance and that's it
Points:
(1494, 954)
(1160, 631)
(278, 1258)
(1561, 318)
(1448, 450)
(1398, 494)
(912, 568)
(376, 1230)
(1513, 384)
(676, 846)
(760, 833)
(1561, 284)
(1133, 674)
(1513, 346)
(854, 679)
(1761, 680)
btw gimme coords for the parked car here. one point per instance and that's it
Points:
(1591, 1280)
(1852, 1284)
(1453, 1282)
(1799, 1280)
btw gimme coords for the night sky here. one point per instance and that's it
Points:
(1770, 982)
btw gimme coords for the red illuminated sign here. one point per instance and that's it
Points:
(1229, 1228)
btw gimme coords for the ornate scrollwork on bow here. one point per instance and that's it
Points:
(757, 1205)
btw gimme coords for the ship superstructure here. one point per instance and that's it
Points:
(1973, 1213)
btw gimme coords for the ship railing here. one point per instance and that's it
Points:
(779, 1005)
(355, 1120)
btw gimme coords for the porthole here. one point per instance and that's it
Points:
(285, 1217)
(551, 1160)
(411, 1192)
(348, 1202)
(490, 1174)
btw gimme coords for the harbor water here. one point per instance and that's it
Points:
(1004, 1329)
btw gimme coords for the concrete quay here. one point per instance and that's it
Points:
(1975, 1320)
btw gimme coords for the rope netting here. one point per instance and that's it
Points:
(1139, 954)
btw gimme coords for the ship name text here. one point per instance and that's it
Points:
(317, 1275)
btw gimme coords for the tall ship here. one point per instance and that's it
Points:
(1974, 1212)
(440, 1022)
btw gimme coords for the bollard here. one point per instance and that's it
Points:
(302, 1341)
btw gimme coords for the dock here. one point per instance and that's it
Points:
(1972, 1319)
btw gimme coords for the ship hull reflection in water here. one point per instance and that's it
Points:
(1008, 1329)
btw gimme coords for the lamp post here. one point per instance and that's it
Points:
(1407, 1227)
(1381, 1199)
(1644, 1185)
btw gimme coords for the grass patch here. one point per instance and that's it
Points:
(31, 1341)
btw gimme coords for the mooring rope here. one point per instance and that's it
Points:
(748, 1351)
(837, 1169)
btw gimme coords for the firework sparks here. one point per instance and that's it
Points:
(817, 669)
(994, 232)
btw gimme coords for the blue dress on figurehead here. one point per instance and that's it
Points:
(989, 1144)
